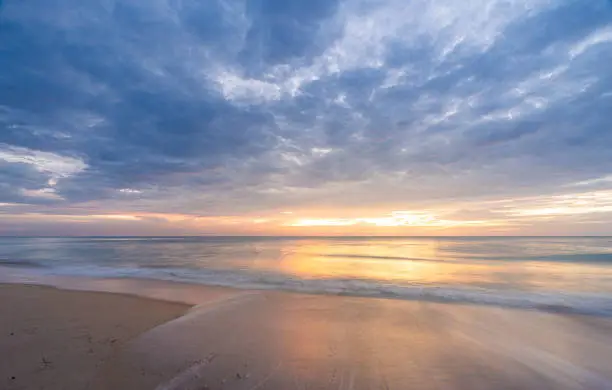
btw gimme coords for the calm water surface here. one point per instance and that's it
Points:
(559, 273)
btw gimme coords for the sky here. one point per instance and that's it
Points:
(310, 117)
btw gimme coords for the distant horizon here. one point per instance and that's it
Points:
(311, 236)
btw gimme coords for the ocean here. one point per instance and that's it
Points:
(568, 274)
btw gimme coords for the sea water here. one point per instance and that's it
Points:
(571, 274)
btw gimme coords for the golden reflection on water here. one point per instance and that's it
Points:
(380, 261)
(426, 262)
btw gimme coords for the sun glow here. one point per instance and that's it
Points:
(504, 216)
(394, 219)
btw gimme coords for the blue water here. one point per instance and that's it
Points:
(556, 273)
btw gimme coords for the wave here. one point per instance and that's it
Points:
(21, 264)
(577, 303)
(579, 258)
(378, 257)
(596, 258)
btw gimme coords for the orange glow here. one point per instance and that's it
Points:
(275, 223)
(394, 219)
(494, 217)
(379, 260)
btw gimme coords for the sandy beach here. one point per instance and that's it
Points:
(57, 339)
(240, 339)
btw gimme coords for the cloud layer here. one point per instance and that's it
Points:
(225, 108)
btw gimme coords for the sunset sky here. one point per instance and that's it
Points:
(310, 117)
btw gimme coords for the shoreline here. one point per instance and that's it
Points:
(235, 339)
(599, 305)
(168, 291)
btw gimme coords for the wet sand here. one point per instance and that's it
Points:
(279, 341)
(255, 340)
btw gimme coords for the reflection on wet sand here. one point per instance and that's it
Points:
(279, 341)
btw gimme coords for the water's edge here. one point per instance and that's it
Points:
(188, 292)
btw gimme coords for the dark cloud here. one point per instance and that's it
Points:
(132, 114)
(16, 179)
(282, 31)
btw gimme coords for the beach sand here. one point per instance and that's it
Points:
(56, 339)
(256, 340)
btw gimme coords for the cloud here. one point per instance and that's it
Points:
(57, 166)
(229, 107)
(17, 179)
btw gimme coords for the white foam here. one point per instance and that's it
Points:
(581, 303)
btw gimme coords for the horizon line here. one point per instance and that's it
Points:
(303, 236)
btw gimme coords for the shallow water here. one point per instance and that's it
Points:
(553, 273)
